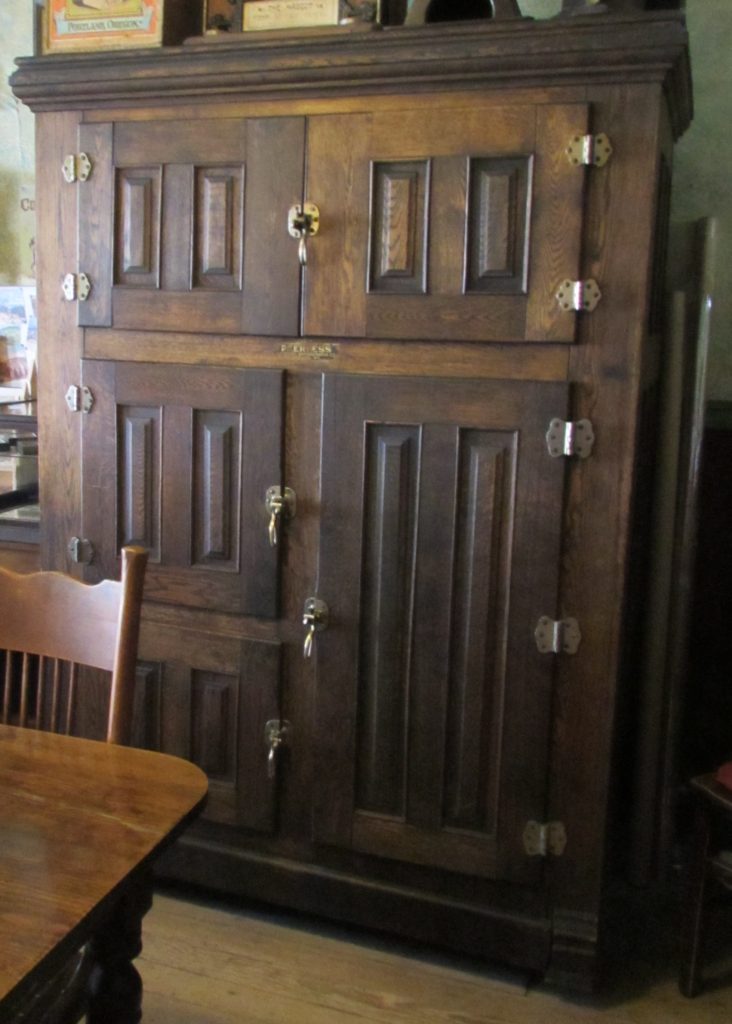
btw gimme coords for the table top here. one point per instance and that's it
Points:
(77, 818)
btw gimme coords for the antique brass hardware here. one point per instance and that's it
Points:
(76, 168)
(280, 506)
(79, 399)
(570, 438)
(589, 150)
(76, 286)
(579, 295)
(315, 617)
(276, 735)
(557, 637)
(303, 222)
(542, 839)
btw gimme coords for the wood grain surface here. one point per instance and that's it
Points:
(77, 818)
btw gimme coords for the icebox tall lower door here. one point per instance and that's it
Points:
(441, 518)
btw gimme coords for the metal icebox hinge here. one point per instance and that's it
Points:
(589, 150)
(76, 167)
(557, 637)
(579, 296)
(542, 839)
(76, 286)
(79, 399)
(81, 550)
(570, 437)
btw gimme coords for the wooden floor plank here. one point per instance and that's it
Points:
(206, 962)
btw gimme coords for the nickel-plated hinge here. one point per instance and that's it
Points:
(76, 286)
(579, 296)
(79, 399)
(544, 838)
(589, 150)
(76, 167)
(570, 437)
(557, 636)
(81, 550)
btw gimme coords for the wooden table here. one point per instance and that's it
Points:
(81, 823)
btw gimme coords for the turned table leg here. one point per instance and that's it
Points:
(115, 986)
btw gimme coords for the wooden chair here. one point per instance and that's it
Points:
(709, 863)
(50, 625)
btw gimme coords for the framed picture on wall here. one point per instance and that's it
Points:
(73, 25)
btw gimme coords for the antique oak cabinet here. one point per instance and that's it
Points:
(357, 332)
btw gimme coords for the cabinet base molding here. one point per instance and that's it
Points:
(574, 962)
(515, 940)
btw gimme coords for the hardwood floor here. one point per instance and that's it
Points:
(206, 962)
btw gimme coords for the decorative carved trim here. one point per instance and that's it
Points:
(640, 47)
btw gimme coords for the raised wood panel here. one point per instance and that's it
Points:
(454, 506)
(480, 603)
(390, 498)
(147, 711)
(400, 193)
(195, 453)
(137, 247)
(140, 454)
(213, 724)
(219, 240)
(217, 440)
(498, 218)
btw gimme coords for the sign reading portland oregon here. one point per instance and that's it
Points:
(121, 23)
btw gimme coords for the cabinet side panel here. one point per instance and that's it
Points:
(609, 364)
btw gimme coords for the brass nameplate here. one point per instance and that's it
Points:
(304, 350)
(260, 15)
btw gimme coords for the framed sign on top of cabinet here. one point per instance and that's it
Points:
(75, 25)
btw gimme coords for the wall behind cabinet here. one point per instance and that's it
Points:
(17, 152)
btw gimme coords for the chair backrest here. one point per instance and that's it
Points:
(50, 624)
